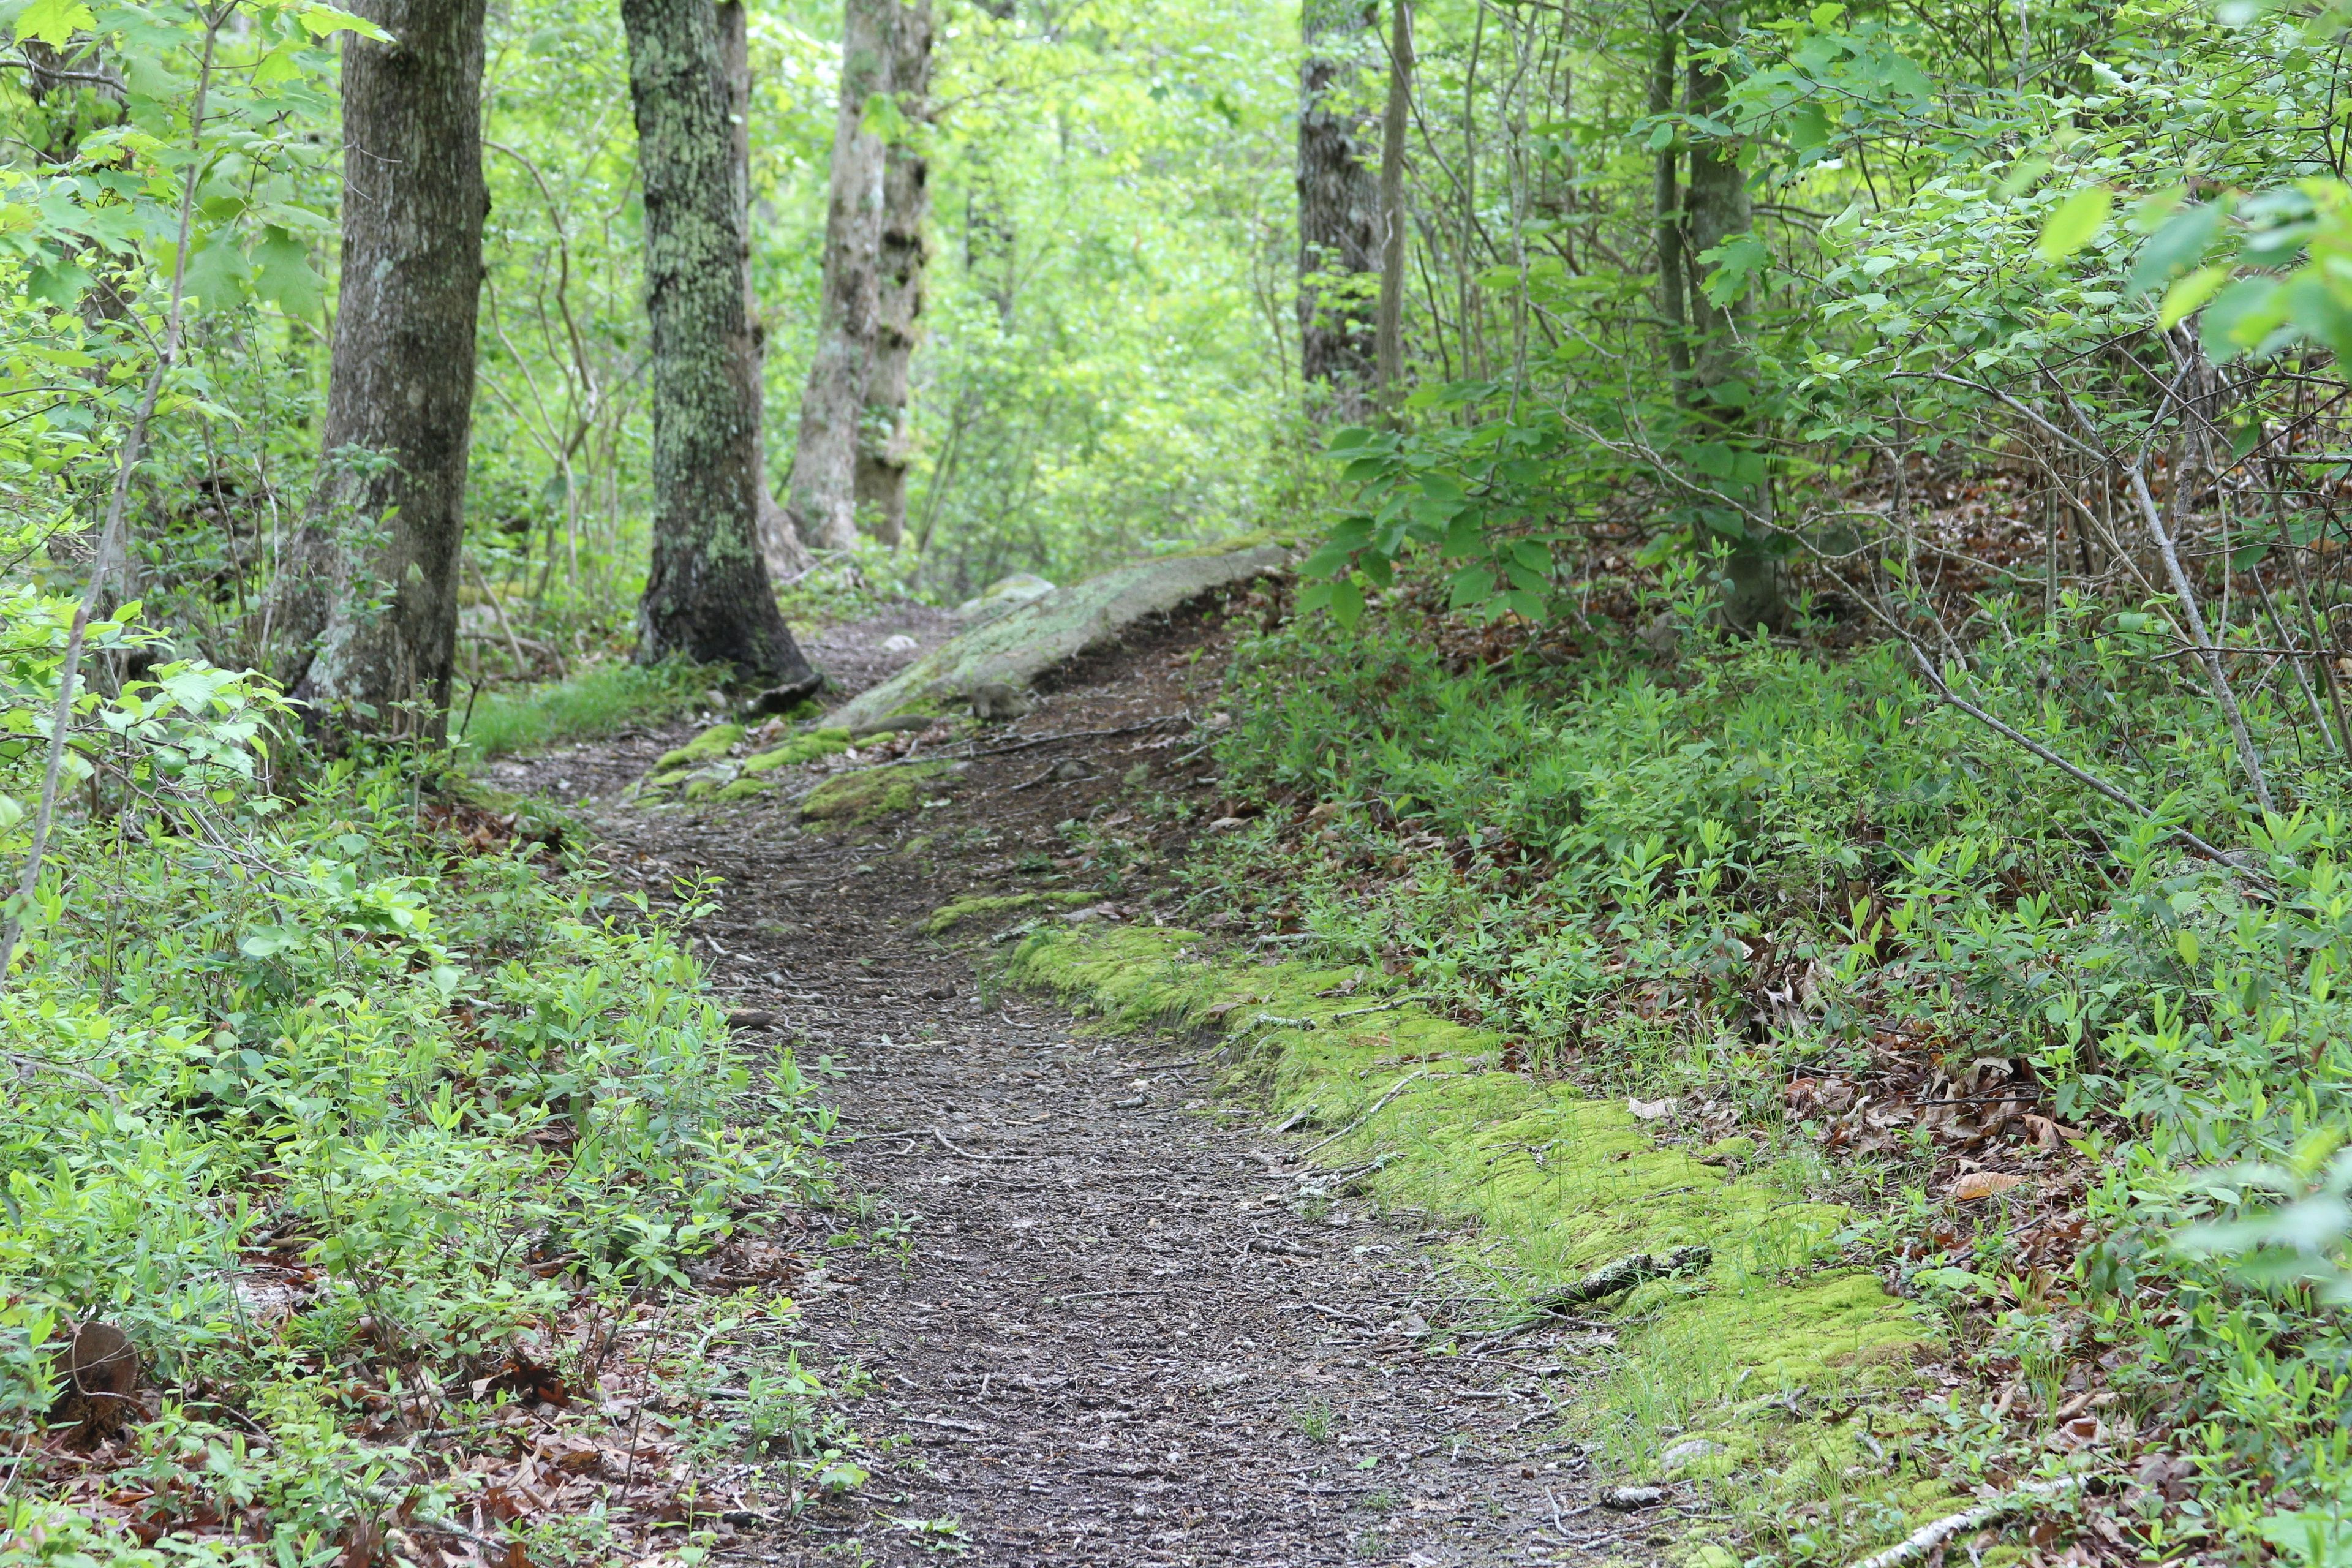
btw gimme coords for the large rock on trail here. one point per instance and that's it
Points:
(1015, 649)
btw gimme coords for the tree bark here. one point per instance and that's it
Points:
(364, 613)
(824, 465)
(903, 254)
(1338, 209)
(780, 541)
(708, 596)
(1389, 327)
(1721, 366)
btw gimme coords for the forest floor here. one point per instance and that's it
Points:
(1096, 1320)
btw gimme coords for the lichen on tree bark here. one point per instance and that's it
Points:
(708, 595)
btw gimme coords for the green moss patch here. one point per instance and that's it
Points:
(869, 792)
(947, 917)
(708, 747)
(1559, 1182)
(802, 748)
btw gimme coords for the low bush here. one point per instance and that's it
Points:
(2041, 1038)
(323, 1104)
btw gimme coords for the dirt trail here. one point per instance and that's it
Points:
(1105, 1325)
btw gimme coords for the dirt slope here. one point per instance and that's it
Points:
(1102, 1327)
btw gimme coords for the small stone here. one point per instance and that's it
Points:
(1691, 1448)
(900, 642)
(1625, 1500)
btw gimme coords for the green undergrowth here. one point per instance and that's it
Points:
(1774, 882)
(1743, 1359)
(598, 701)
(328, 1107)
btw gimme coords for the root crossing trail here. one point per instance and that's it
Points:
(1104, 1320)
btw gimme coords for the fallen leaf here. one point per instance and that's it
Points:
(1650, 1109)
(1978, 1186)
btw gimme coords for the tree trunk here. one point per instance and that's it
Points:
(708, 595)
(1388, 328)
(824, 465)
(1338, 209)
(780, 541)
(883, 449)
(1721, 367)
(365, 609)
(1667, 201)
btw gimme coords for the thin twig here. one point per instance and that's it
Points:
(1394, 1089)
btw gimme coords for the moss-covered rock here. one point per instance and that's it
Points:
(947, 917)
(1012, 650)
(806, 747)
(708, 747)
(869, 792)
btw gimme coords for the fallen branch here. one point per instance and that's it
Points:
(1395, 1089)
(2080, 774)
(1151, 723)
(1928, 1537)
(1616, 1278)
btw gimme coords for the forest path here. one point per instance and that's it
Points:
(1101, 1325)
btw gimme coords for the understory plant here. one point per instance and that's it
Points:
(1759, 874)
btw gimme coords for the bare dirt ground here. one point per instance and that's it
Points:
(1105, 1322)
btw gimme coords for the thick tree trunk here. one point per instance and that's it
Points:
(903, 253)
(365, 611)
(1389, 327)
(825, 464)
(1719, 209)
(780, 541)
(708, 595)
(1338, 209)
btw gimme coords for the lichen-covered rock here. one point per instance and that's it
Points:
(708, 747)
(869, 792)
(1003, 596)
(1015, 649)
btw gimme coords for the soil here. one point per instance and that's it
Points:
(1114, 1328)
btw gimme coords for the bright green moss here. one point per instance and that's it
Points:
(869, 792)
(804, 748)
(1560, 1183)
(947, 917)
(708, 747)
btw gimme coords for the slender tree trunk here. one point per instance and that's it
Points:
(1388, 328)
(824, 465)
(1668, 205)
(780, 541)
(365, 609)
(903, 253)
(708, 595)
(1338, 209)
(1721, 366)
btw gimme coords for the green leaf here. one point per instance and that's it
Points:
(2178, 245)
(282, 274)
(2188, 295)
(323, 21)
(1471, 585)
(2077, 222)
(53, 22)
(2240, 317)
(1347, 602)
